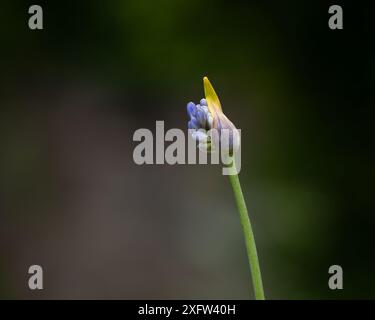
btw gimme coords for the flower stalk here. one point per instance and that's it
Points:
(207, 115)
(249, 237)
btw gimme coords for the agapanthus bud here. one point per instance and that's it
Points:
(208, 115)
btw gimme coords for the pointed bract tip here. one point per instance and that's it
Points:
(211, 96)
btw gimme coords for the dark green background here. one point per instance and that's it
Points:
(73, 201)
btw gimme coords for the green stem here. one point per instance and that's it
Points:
(249, 238)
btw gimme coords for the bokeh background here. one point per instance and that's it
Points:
(73, 201)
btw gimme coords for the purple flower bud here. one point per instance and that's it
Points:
(191, 109)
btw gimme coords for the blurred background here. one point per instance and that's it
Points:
(73, 201)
